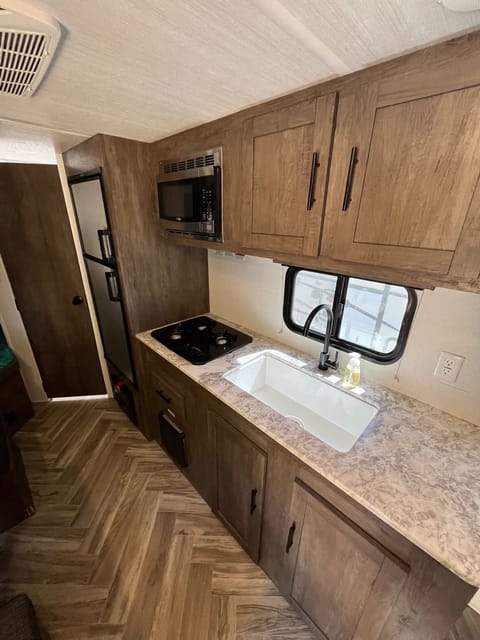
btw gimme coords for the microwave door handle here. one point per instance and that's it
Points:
(112, 286)
(105, 244)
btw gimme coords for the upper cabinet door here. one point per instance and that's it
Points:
(402, 178)
(289, 152)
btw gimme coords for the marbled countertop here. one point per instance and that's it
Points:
(415, 467)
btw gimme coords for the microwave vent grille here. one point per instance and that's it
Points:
(190, 163)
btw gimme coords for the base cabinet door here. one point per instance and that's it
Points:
(403, 188)
(343, 580)
(241, 468)
(288, 152)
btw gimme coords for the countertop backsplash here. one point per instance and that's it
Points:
(249, 291)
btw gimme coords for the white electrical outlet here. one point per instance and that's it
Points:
(448, 367)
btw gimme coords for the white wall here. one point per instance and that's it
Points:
(249, 291)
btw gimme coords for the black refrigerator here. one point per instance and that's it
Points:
(99, 254)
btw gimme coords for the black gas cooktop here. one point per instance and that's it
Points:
(201, 339)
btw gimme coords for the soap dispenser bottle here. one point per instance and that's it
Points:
(351, 376)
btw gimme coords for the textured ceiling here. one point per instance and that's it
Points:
(27, 143)
(144, 69)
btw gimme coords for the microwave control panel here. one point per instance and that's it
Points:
(207, 204)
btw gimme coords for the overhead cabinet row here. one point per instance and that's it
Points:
(359, 178)
(379, 171)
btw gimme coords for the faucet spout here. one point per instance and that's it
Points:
(325, 361)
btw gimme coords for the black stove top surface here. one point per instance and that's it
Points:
(201, 339)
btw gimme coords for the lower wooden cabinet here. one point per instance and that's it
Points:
(168, 392)
(241, 468)
(344, 580)
(355, 577)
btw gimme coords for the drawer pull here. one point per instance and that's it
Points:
(291, 533)
(313, 178)
(253, 500)
(347, 197)
(163, 396)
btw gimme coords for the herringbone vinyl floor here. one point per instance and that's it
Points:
(122, 546)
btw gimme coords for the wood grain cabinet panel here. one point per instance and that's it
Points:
(345, 581)
(170, 396)
(289, 151)
(165, 390)
(405, 202)
(241, 468)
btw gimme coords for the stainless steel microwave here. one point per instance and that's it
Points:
(190, 195)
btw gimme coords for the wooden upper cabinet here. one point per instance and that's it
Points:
(289, 155)
(402, 180)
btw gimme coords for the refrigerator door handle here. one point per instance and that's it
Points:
(105, 244)
(112, 286)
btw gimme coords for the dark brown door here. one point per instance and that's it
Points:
(241, 468)
(40, 259)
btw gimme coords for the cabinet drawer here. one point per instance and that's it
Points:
(168, 396)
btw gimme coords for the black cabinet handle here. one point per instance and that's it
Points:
(347, 196)
(105, 245)
(313, 179)
(77, 300)
(163, 396)
(253, 500)
(291, 533)
(112, 286)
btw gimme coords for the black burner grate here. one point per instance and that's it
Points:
(201, 339)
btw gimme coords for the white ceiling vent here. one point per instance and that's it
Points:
(28, 40)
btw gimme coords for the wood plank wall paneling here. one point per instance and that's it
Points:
(161, 282)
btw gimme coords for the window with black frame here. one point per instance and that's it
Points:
(372, 318)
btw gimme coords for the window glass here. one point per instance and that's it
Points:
(373, 314)
(372, 318)
(310, 289)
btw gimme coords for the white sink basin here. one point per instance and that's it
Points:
(330, 414)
